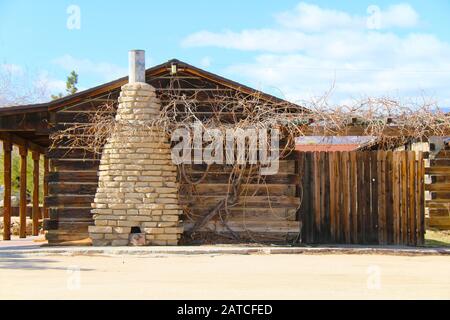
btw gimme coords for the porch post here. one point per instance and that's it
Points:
(7, 148)
(36, 213)
(46, 170)
(23, 191)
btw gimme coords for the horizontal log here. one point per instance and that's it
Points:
(71, 214)
(443, 154)
(80, 154)
(94, 104)
(213, 178)
(440, 222)
(67, 226)
(440, 179)
(442, 212)
(437, 171)
(438, 187)
(251, 226)
(74, 165)
(56, 236)
(75, 176)
(248, 202)
(263, 214)
(33, 122)
(285, 166)
(73, 189)
(440, 195)
(247, 189)
(79, 117)
(69, 201)
(440, 162)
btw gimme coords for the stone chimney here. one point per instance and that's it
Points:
(137, 196)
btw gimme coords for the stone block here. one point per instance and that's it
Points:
(166, 237)
(119, 243)
(154, 230)
(97, 236)
(125, 230)
(101, 243)
(99, 229)
(173, 230)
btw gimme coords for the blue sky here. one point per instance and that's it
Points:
(289, 48)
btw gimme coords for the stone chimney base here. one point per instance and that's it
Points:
(137, 197)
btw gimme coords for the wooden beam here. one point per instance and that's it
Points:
(357, 130)
(46, 171)
(23, 192)
(19, 141)
(36, 212)
(25, 122)
(7, 148)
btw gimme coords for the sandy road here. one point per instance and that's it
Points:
(225, 277)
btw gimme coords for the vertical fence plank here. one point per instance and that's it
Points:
(339, 196)
(396, 198)
(299, 170)
(374, 197)
(312, 198)
(411, 194)
(332, 172)
(306, 198)
(361, 194)
(382, 197)
(417, 199)
(326, 212)
(346, 199)
(316, 224)
(323, 176)
(421, 196)
(354, 197)
(404, 199)
(388, 205)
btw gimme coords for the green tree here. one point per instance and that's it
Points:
(71, 85)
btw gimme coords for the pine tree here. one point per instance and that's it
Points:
(71, 86)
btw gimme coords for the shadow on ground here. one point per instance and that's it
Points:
(23, 262)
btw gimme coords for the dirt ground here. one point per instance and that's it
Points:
(225, 277)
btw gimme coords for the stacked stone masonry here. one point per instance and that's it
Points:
(137, 188)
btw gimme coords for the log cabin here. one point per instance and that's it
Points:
(72, 175)
(118, 198)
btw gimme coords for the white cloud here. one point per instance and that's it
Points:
(51, 84)
(106, 71)
(312, 47)
(400, 15)
(312, 18)
(205, 62)
(309, 17)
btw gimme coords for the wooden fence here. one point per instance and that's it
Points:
(362, 197)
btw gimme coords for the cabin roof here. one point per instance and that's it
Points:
(153, 71)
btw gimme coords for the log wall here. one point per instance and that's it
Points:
(72, 177)
(268, 209)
